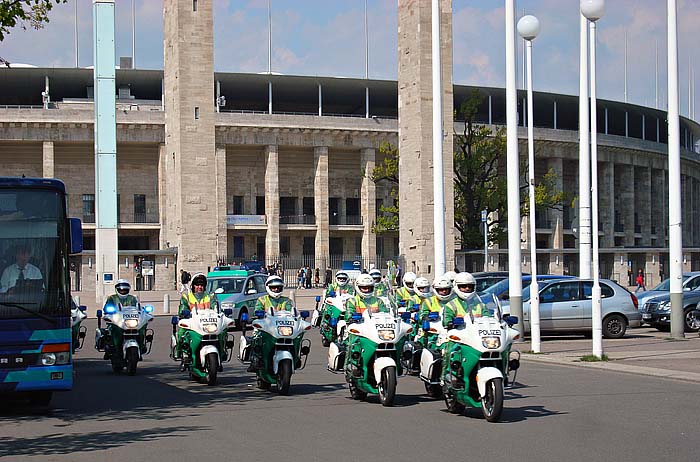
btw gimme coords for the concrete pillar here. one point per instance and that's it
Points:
(272, 203)
(416, 244)
(368, 205)
(651, 270)
(644, 205)
(627, 200)
(620, 268)
(556, 215)
(606, 209)
(49, 160)
(189, 133)
(556, 263)
(322, 246)
(220, 205)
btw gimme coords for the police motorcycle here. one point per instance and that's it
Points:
(477, 362)
(332, 318)
(283, 351)
(372, 364)
(78, 332)
(424, 334)
(206, 342)
(126, 336)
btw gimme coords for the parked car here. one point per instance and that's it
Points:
(241, 289)
(485, 279)
(691, 281)
(656, 311)
(566, 305)
(500, 289)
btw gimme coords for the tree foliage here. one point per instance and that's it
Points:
(25, 13)
(387, 171)
(479, 153)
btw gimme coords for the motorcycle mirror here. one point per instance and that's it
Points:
(259, 314)
(511, 320)
(304, 314)
(82, 308)
(318, 298)
(228, 312)
(174, 320)
(99, 313)
(458, 321)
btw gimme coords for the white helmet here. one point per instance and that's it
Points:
(451, 276)
(274, 286)
(422, 287)
(442, 283)
(409, 278)
(364, 281)
(122, 287)
(465, 280)
(342, 278)
(376, 275)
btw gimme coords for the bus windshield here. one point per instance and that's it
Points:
(33, 282)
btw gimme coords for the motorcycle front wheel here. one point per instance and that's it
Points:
(212, 365)
(284, 376)
(492, 403)
(433, 390)
(117, 365)
(453, 406)
(387, 386)
(132, 358)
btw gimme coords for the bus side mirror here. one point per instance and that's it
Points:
(76, 235)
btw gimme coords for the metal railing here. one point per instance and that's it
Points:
(345, 220)
(132, 218)
(298, 220)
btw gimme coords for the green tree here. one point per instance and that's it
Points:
(387, 171)
(479, 185)
(32, 13)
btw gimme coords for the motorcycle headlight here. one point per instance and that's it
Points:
(386, 334)
(491, 343)
(131, 323)
(285, 331)
(210, 328)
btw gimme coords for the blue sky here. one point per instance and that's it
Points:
(326, 37)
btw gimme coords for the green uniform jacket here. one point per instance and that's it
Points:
(380, 290)
(358, 304)
(404, 295)
(434, 304)
(129, 300)
(460, 308)
(189, 299)
(334, 287)
(278, 304)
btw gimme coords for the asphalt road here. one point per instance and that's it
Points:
(556, 413)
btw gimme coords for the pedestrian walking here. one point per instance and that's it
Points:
(300, 278)
(308, 276)
(329, 276)
(640, 281)
(317, 277)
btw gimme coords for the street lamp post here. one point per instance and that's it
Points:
(593, 10)
(528, 28)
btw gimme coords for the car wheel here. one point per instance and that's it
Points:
(614, 326)
(691, 318)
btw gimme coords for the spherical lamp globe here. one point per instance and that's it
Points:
(593, 10)
(528, 27)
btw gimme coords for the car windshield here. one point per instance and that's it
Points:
(495, 289)
(230, 285)
(32, 226)
(666, 284)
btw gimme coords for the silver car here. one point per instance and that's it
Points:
(237, 290)
(565, 306)
(691, 281)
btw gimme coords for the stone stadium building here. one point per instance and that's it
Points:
(275, 172)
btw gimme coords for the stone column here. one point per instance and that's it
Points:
(272, 203)
(221, 194)
(163, 210)
(606, 210)
(557, 166)
(416, 233)
(556, 263)
(49, 160)
(368, 206)
(651, 270)
(627, 200)
(620, 269)
(322, 246)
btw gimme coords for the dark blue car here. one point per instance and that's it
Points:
(500, 289)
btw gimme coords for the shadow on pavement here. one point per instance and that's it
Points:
(69, 443)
